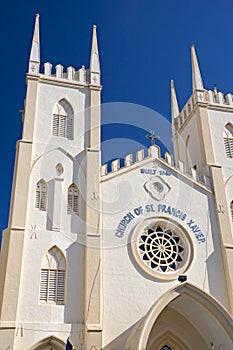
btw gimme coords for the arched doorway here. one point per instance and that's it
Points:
(171, 342)
(49, 343)
(185, 318)
(174, 331)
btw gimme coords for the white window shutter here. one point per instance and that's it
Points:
(44, 285)
(73, 200)
(52, 278)
(61, 287)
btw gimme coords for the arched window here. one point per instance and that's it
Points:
(73, 200)
(231, 208)
(228, 140)
(63, 120)
(41, 195)
(166, 348)
(52, 277)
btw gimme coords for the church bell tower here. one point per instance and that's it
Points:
(53, 230)
(203, 141)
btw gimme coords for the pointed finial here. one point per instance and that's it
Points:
(196, 74)
(174, 104)
(34, 60)
(95, 61)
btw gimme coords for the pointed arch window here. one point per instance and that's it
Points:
(73, 200)
(166, 348)
(52, 277)
(41, 195)
(63, 120)
(231, 209)
(228, 140)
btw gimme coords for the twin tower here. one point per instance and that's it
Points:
(64, 270)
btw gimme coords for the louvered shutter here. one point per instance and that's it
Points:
(231, 146)
(70, 203)
(60, 287)
(52, 285)
(43, 198)
(69, 128)
(227, 147)
(52, 280)
(75, 203)
(37, 204)
(62, 126)
(41, 195)
(44, 284)
(73, 200)
(55, 125)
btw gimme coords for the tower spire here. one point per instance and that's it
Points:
(34, 60)
(95, 61)
(196, 74)
(174, 104)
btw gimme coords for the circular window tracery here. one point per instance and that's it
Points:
(162, 248)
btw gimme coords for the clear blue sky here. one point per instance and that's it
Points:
(143, 44)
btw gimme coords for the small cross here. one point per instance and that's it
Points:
(152, 136)
(95, 79)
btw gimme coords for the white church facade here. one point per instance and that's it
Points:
(139, 257)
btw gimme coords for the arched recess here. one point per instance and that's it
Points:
(168, 340)
(52, 277)
(204, 320)
(48, 343)
(63, 119)
(50, 153)
(228, 140)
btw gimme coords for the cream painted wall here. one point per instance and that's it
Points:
(48, 96)
(35, 320)
(124, 281)
(190, 152)
(217, 120)
(107, 290)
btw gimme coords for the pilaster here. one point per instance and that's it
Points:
(20, 187)
(224, 227)
(93, 256)
(205, 139)
(11, 262)
(30, 109)
(57, 198)
(95, 123)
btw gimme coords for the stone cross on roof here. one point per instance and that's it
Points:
(152, 136)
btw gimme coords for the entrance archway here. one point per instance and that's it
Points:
(171, 342)
(184, 318)
(49, 343)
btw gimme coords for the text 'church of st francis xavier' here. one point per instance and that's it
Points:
(139, 257)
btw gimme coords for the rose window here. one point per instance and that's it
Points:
(162, 249)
